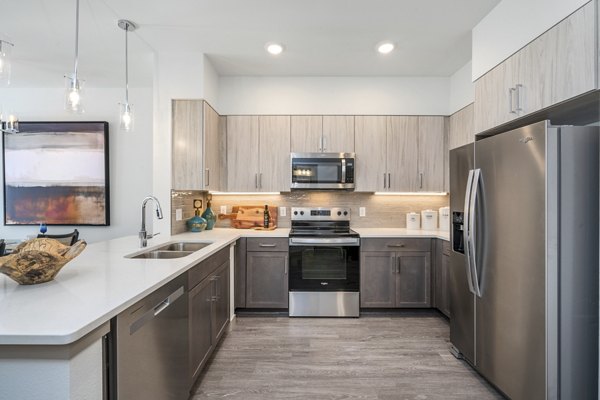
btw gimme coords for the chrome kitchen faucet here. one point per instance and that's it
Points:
(144, 236)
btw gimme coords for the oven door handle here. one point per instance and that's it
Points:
(324, 241)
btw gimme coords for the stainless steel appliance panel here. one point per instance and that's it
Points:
(462, 301)
(322, 171)
(324, 304)
(152, 346)
(509, 254)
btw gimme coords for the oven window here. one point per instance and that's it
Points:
(324, 263)
(323, 171)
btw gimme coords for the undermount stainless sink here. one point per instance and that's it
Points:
(172, 250)
(184, 246)
(162, 254)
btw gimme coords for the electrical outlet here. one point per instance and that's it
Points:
(362, 211)
(282, 211)
(223, 209)
(178, 214)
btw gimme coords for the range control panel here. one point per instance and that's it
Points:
(320, 214)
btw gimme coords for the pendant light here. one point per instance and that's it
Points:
(73, 85)
(125, 111)
(9, 123)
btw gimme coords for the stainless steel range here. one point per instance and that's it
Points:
(324, 256)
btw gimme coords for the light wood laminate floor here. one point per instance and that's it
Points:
(398, 357)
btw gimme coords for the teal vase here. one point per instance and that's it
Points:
(210, 217)
(196, 223)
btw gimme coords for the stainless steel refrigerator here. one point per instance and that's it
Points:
(524, 261)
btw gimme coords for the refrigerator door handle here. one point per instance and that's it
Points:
(473, 233)
(467, 230)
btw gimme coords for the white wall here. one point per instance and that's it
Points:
(130, 153)
(176, 76)
(334, 95)
(211, 84)
(511, 25)
(462, 89)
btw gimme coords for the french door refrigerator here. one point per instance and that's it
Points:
(524, 260)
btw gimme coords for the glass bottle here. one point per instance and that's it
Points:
(209, 216)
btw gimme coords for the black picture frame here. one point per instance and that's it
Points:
(97, 194)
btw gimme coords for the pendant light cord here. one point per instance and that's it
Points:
(76, 40)
(126, 66)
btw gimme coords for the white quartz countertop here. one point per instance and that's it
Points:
(102, 282)
(98, 285)
(401, 232)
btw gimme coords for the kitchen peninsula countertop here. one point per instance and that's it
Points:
(102, 282)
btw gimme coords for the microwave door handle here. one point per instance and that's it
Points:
(343, 170)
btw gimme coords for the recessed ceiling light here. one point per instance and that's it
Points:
(385, 47)
(274, 48)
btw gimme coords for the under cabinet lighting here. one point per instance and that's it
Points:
(411, 193)
(245, 193)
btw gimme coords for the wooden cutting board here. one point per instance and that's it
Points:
(247, 217)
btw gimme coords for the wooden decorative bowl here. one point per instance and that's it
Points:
(38, 260)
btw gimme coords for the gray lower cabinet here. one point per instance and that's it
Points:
(240, 273)
(442, 278)
(395, 279)
(267, 273)
(208, 309)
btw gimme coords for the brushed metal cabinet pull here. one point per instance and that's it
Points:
(396, 245)
(389, 180)
(393, 263)
(266, 245)
(207, 176)
(399, 270)
(518, 88)
(260, 180)
(256, 180)
(285, 268)
(510, 101)
(384, 182)
(421, 178)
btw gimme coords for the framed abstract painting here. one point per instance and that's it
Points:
(57, 173)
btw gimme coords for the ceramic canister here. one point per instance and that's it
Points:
(445, 218)
(413, 220)
(430, 219)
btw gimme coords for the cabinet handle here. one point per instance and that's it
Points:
(213, 286)
(285, 268)
(207, 176)
(260, 180)
(518, 88)
(324, 143)
(510, 101)
(396, 245)
(421, 180)
(393, 262)
(399, 266)
(384, 182)
(256, 180)
(389, 180)
(266, 245)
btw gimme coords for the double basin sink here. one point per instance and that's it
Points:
(172, 250)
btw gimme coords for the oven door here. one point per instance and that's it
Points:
(322, 171)
(324, 265)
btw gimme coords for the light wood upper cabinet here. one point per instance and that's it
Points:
(306, 133)
(338, 133)
(402, 153)
(274, 154)
(213, 149)
(461, 130)
(242, 153)
(558, 65)
(370, 142)
(431, 154)
(187, 172)
(317, 133)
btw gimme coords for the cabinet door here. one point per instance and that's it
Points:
(370, 144)
(274, 162)
(266, 279)
(402, 154)
(200, 325)
(431, 154)
(338, 133)
(377, 279)
(221, 303)
(445, 282)
(307, 133)
(212, 149)
(413, 282)
(242, 153)
(240, 273)
(186, 161)
(461, 128)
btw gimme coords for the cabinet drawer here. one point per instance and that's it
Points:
(396, 244)
(267, 244)
(445, 247)
(208, 266)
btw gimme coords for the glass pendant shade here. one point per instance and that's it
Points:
(74, 94)
(5, 62)
(126, 117)
(9, 122)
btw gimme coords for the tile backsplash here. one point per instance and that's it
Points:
(381, 211)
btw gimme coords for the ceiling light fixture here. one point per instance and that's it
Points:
(73, 85)
(385, 47)
(274, 48)
(125, 110)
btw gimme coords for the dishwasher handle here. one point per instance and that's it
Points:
(155, 311)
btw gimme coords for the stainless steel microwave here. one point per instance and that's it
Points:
(325, 171)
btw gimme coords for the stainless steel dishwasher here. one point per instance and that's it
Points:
(151, 346)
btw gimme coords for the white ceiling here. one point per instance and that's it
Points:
(322, 37)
